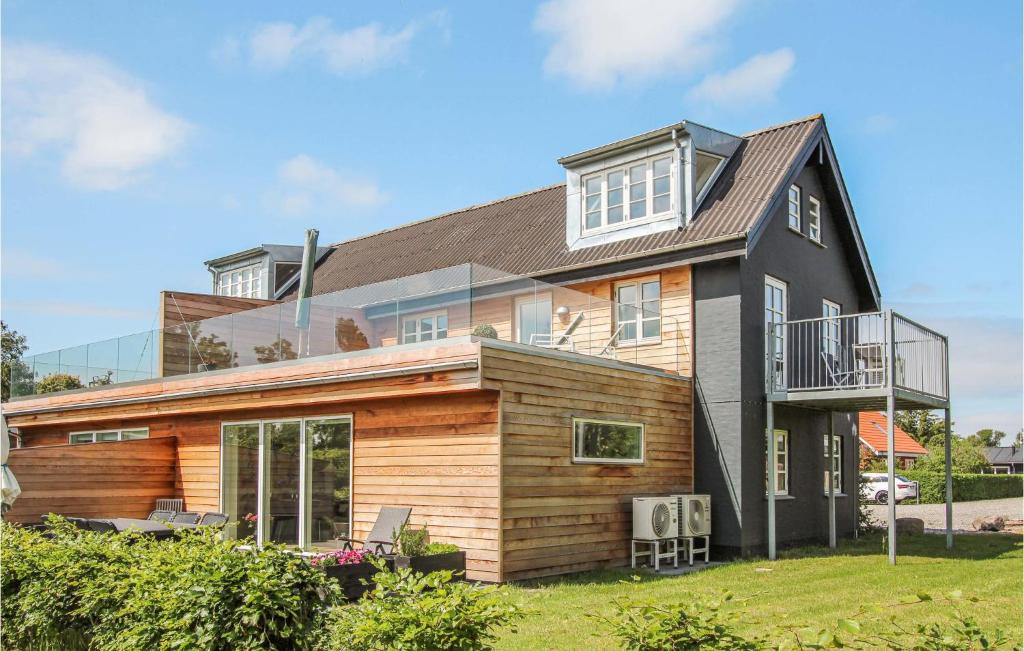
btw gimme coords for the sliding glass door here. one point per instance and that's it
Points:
(288, 481)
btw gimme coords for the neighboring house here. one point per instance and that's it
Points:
(1005, 460)
(872, 433)
(517, 371)
(260, 272)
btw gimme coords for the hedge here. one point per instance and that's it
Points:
(966, 487)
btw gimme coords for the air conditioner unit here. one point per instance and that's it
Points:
(694, 514)
(655, 518)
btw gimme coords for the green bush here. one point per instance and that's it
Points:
(433, 549)
(110, 591)
(485, 331)
(932, 486)
(416, 612)
(58, 382)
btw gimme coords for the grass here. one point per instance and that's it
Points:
(808, 586)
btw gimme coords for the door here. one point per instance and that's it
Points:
(533, 318)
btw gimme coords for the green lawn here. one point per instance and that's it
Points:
(808, 586)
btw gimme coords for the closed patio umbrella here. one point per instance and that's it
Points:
(9, 489)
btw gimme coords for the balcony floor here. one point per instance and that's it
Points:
(854, 399)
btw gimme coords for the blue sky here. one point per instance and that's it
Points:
(140, 139)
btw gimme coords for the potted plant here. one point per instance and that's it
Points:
(414, 550)
(351, 568)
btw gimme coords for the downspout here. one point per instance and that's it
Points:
(684, 206)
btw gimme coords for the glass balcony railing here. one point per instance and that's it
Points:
(467, 299)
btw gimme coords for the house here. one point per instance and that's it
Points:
(1005, 460)
(262, 272)
(871, 430)
(518, 371)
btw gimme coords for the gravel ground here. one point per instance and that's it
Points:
(934, 515)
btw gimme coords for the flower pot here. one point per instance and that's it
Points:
(351, 576)
(454, 561)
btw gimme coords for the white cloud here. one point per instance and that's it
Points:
(18, 263)
(599, 43)
(879, 123)
(355, 51)
(307, 184)
(755, 80)
(99, 120)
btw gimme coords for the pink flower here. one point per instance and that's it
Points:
(340, 557)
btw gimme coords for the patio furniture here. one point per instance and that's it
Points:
(102, 526)
(161, 515)
(563, 341)
(185, 517)
(170, 504)
(154, 528)
(213, 519)
(390, 520)
(81, 523)
(608, 350)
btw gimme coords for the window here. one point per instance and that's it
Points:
(638, 311)
(424, 327)
(284, 272)
(108, 435)
(835, 467)
(604, 441)
(794, 207)
(814, 218)
(780, 455)
(241, 283)
(533, 318)
(617, 196)
(774, 314)
(706, 166)
(830, 328)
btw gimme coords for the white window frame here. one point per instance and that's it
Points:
(531, 299)
(781, 476)
(830, 327)
(813, 218)
(836, 467)
(649, 215)
(576, 458)
(228, 286)
(95, 435)
(793, 203)
(641, 313)
(304, 472)
(778, 365)
(418, 334)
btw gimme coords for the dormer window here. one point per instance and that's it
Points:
(640, 190)
(241, 283)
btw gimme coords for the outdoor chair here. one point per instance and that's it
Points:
(81, 523)
(185, 517)
(173, 504)
(101, 526)
(563, 341)
(608, 350)
(213, 519)
(390, 520)
(161, 515)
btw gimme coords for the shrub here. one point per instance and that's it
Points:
(966, 487)
(440, 548)
(966, 457)
(695, 624)
(125, 591)
(58, 382)
(485, 331)
(339, 557)
(412, 542)
(416, 612)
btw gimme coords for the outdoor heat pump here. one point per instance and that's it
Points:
(655, 518)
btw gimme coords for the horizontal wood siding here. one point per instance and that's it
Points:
(558, 516)
(115, 479)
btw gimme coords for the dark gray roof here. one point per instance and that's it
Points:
(1007, 454)
(525, 234)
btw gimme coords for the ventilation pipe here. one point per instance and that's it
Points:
(684, 178)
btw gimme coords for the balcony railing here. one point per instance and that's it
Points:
(878, 350)
(464, 300)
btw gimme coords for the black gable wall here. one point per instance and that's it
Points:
(730, 420)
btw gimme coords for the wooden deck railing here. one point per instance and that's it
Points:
(114, 479)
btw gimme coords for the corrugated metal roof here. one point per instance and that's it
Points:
(872, 431)
(1004, 454)
(525, 234)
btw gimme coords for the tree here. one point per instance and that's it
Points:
(58, 382)
(966, 457)
(1020, 438)
(12, 347)
(988, 438)
(923, 426)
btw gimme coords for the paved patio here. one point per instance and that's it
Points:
(934, 515)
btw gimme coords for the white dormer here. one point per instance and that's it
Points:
(642, 185)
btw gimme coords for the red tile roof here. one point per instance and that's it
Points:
(872, 432)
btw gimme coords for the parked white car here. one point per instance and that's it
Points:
(876, 488)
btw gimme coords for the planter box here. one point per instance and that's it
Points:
(455, 561)
(351, 577)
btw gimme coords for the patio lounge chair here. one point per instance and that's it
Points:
(81, 523)
(185, 517)
(563, 341)
(381, 540)
(161, 515)
(102, 526)
(213, 519)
